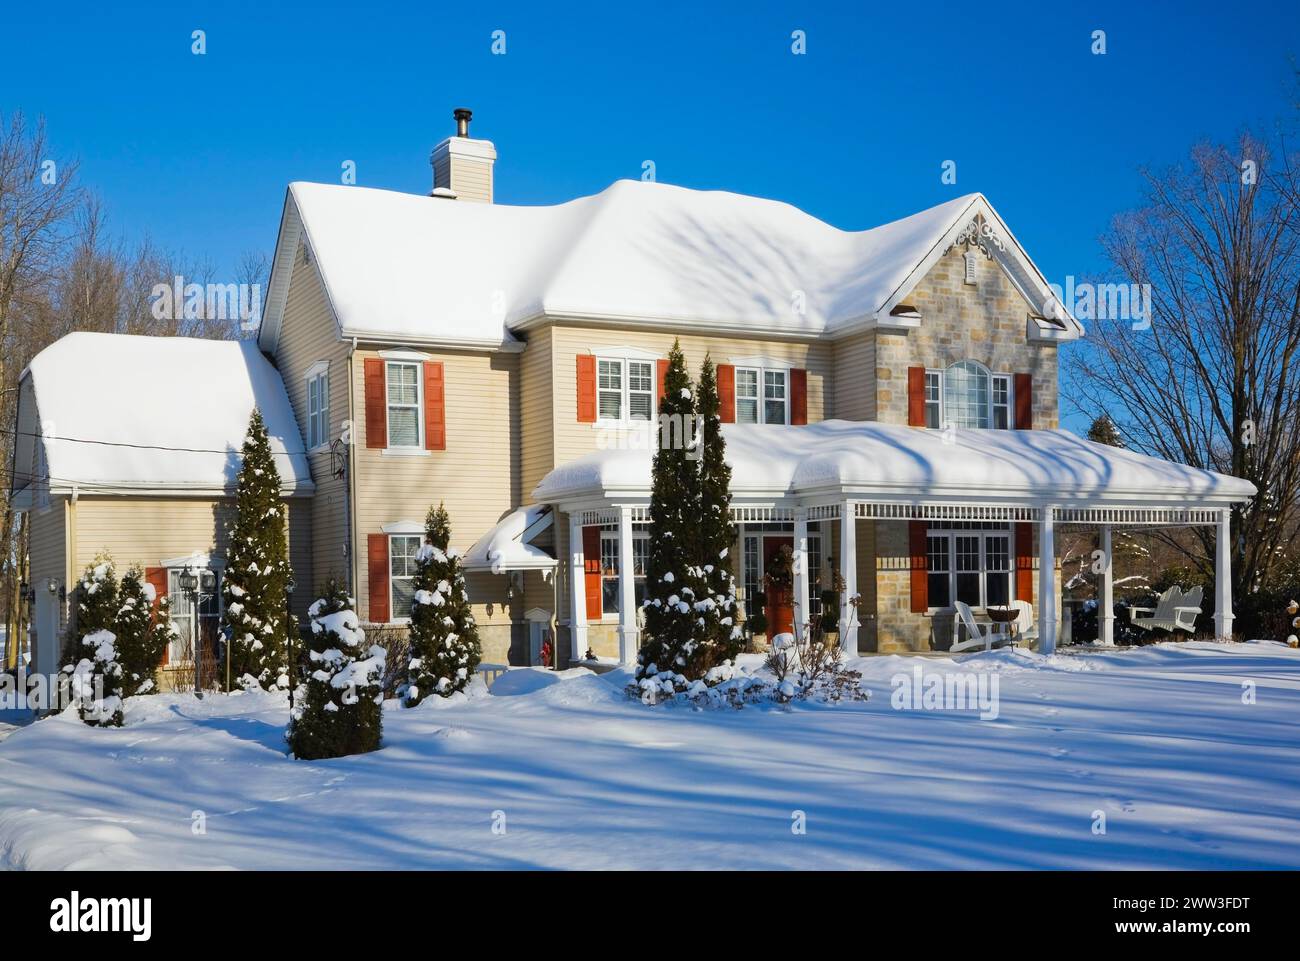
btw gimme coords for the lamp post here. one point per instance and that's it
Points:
(189, 583)
(288, 635)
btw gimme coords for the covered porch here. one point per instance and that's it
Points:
(899, 523)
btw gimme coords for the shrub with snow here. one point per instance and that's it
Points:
(97, 681)
(339, 710)
(141, 639)
(254, 589)
(444, 645)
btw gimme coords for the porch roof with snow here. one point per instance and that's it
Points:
(129, 414)
(508, 546)
(865, 461)
(420, 270)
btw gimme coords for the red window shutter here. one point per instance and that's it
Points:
(798, 396)
(727, 392)
(591, 571)
(661, 368)
(157, 576)
(376, 403)
(435, 406)
(916, 397)
(916, 538)
(1025, 562)
(586, 389)
(1024, 389)
(377, 553)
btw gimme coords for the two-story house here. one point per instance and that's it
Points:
(890, 400)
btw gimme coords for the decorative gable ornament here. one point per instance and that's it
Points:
(979, 234)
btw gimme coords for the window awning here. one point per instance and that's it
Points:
(508, 546)
(887, 463)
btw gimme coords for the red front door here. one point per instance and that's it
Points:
(779, 602)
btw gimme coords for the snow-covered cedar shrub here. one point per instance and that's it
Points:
(255, 619)
(140, 638)
(339, 710)
(444, 644)
(690, 601)
(806, 668)
(91, 668)
(97, 681)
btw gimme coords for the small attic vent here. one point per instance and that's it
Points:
(970, 267)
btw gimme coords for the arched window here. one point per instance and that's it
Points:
(966, 387)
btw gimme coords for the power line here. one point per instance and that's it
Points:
(113, 443)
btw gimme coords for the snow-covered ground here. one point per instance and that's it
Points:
(572, 774)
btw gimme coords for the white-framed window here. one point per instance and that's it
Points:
(968, 395)
(625, 390)
(609, 566)
(402, 549)
(969, 562)
(762, 395)
(318, 408)
(405, 414)
(195, 614)
(934, 399)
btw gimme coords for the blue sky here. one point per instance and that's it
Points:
(197, 150)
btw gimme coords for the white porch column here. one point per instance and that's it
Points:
(849, 571)
(1106, 591)
(801, 592)
(1223, 616)
(628, 634)
(1047, 582)
(577, 590)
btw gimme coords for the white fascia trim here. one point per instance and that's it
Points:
(316, 369)
(579, 317)
(624, 353)
(509, 346)
(763, 363)
(467, 147)
(98, 488)
(198, 559)
(408, 355)
(403, 527)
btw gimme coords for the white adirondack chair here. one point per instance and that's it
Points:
(985, 636)
(1026, 629)
(1174, 611)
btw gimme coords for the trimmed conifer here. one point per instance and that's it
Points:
(138, 647)
(445, 649)
(673, 582)
(339, 710)
(254, 589)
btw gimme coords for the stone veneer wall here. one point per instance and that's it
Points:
(984, 321)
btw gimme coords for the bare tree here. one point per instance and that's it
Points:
(1213, 381)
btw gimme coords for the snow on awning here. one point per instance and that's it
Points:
(125, 413)
(864, 459)
(508, 546)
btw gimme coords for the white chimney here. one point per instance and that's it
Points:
(462, 167)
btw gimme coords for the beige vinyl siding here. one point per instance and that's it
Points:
(855, 377)
(573, 439)
(471, 179)
(536, 411)
(308, 335)
(148, 530)
(47, 553)
(474, 476)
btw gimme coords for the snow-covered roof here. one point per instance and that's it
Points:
(894, 462)
(412, 268)
(126, 413)
(508, 547)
